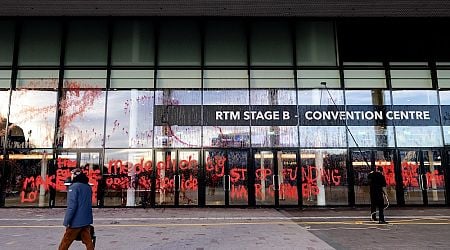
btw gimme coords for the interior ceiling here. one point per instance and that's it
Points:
(289, 8)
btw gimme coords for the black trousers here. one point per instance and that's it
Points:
(377, 203)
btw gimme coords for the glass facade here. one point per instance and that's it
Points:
(242, 113)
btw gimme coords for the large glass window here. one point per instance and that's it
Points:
(33, 110)
(172, 52)
(133, 43)
(82, 108)
(6, 42)
(272, 79)
(4, 107)
(326, 134)
(377, 135)
(40, 43)
(225, 44)
(279, 135)
(271, 44)
(179, 79)
(129, 122)
(324, 177)
(126, 177)
(225, 79)
(126, 79)
(311, 78)
(315, 44)
(365, 79)
(177, 129)
(226, 136)
(87, 43)
(444, 96)
(420, 135)
(28, 183)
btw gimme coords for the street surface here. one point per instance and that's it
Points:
(233, 228)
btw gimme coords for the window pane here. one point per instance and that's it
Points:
(324, 177)
(6, 42)
(87, 43)
(34, 79)
(132, 79)
(274, 136)
(179, 79)
(321, 97)
(315, 44)
(225, 97)
(40, 43)
(365, 79)
(133, 43)
(119, 180)
(367, 97)
(273, 97)
(225, 44)
(314, 78)
(129, 122)
(84, 79)
(226, 136)
(172, 52)
(443, 78)
(26, 170)
(271, 44)
(322, 136)
(33, 115)
(225, 79)
(82, 120)
(408, 79)
(5, 78)
(414, 97)
(272, 79)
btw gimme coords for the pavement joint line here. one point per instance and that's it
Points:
(233, 218)
(364, 223)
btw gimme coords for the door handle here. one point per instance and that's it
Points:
(273, 182)
(224, 186)
(179, 182)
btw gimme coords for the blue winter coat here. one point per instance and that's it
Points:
(79, 206)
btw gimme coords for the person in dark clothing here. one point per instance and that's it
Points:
(78, 217)
(377, 182)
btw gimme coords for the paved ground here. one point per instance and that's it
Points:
(230, 228)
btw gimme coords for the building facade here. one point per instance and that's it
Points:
(224, 111)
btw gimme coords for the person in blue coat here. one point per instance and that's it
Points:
(78, 217)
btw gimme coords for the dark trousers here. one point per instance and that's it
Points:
(377, 202)
(71, 234)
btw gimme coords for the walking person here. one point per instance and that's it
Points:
(377, 182)
(78, 218)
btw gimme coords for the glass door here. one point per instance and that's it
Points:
(363, 162)
(226, 177)
(88, 161)
(177, 177)
(423, 177)
(276, 177)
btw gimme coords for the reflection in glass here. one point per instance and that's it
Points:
(371, 136)
(434, 174)
(264, 178)
(32, 119)
(4, 107)
(419, 136)
(320, 97)
(129, 121)
(126, 177)
(237, 163)
(288, 174)
(324, 177)
(82, 119)
(322, 136)
(410, 168)
(28, 183)
(274, 136)
(177, 97)
(188, 170)
(166, 162)
(414, 97)
(225, 97)
(214, 178)
(272, 97)
(226, 136)
(178, 136)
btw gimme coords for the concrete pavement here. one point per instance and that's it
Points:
(232, 228)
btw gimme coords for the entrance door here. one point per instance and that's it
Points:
(226, 177)
(177, 177)
(276, 177)
(88, 161)
(422, 176)
(363, 162)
